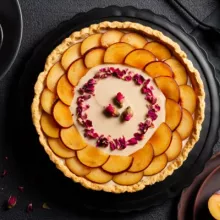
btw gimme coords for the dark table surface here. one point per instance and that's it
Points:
(40, 17)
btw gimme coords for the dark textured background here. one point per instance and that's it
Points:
(40, 17)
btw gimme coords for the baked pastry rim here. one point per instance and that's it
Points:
(194, 75)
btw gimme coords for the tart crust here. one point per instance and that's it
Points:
(193, 73)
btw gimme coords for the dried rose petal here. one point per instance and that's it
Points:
(30, 208)
(80, 100)
(102, 69)
(119, 99)
(157, 107)
(151, 99)
(112, 145)
(4, 173)
(97, 75)
(12, 202)
(127, 114)
(111, 110)
(90, 133)
(45, 206)
(138, 136)
(124, 71)
(111, 69)
(143, 127)
(91, 82)
(130, 73)
(21, 188)
(104, 76)
(104, 73)
(79, 110)
(122, 143)
(146, 90)
(148, 123)
(152, 114)
(147, 82)
(88, 87)
(128, 78)
(116, 143)
(85, 107)
(84, 116)
(81, 91)
(88, 123)
(139, 79)
(87, 97)
(132, 141)
(118, 73)
(102, 141)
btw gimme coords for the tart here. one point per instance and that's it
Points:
(119, 106)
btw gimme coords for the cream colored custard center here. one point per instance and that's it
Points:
(105, 91)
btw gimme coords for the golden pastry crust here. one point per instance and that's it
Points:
(194, 75)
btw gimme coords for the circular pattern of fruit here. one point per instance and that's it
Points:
(118, 107)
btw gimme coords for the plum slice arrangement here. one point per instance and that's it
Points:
(131, 49)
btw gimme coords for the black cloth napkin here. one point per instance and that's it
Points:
(210, 42)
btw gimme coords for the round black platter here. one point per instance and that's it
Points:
(12, 26)
(64, 192)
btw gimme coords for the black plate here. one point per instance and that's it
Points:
(152, 195)
(12, 25)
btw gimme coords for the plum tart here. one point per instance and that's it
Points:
(119, 106)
